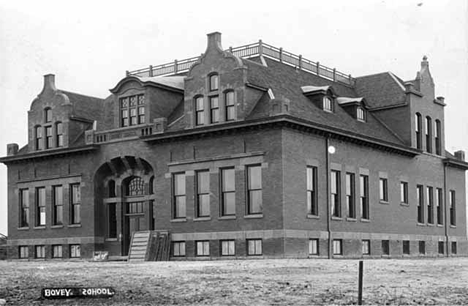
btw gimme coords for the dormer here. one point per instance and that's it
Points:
(355, 107)
(324, 97)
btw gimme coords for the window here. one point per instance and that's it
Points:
(364, 196)
(178, 248)
(312, 202)
(203, 193)
(57, 199)
(214, 82)
(430, 205)
(228, 190)
(418, 127)
(383, 189)
(24, 207)
(428, 134)
(48, 137)
(351, 207)
(422, 247)
(438, 137)
(327, 104)
(136, 186)
(228, 248)
(39, 251)
(361, 114)
(406, 247)
(365, 247)
(112, 215)
(203, 248)
(132, 110)
(335, 193)
(404, 192)
(314, 247)
(214, 109)
(230, 106)
(454, 247)
(337, 247)
(452, 206)
(439, 201)
(254, 247)
(56, 251)
(23, 252)
(179, 195)
(254, 192)
(75, 198)
(48, 115)
(199, 111)
(134, 208)
(40, 206)
(59, 139)
(441, 247)
(385, 247)
(38, 132)
(111, 188)
(75, 251)
(420, 199)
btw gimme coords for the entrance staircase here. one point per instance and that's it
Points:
(150, 246)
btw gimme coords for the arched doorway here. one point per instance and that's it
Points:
(124, 191)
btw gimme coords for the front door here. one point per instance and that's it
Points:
(134, 222)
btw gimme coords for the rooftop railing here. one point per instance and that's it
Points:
(252, 50)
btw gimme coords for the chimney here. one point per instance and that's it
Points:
(409, 86)
(49, 82)
(460, 155)
(214, 41)
(12, 149)
(441, 100)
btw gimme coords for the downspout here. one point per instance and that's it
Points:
(445, 212)
(327, 165)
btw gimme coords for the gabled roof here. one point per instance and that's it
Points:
(170, 81)
(381, 90)
(287, 82)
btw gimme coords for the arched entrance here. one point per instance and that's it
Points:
(124, 191)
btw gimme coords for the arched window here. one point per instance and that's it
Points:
(48, 115)
(438, 137)
(151, 187)
(428, 134)
(360, 115)
(199, 111)
(327, 104)
(59, 131)
(417, 128)
(135, 187)
(214, 82)
(111, 188)
(38, 137)
(230, 106)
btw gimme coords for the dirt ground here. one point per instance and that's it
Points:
(243, 282)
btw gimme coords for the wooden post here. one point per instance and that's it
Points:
(151, 70)
(318, 68)
(334, 74)
(361, 268)
(300, 61)
(281, 54)
(260, 48)
(127, 73)
(230, 49)
(175, 66)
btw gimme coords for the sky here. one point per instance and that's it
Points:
(89, 45)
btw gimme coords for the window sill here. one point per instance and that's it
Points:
(179, 220)
(421, 224)
(384, 202)
(202, 219)
(56, 226)
(227, 218)
(259, 256)
(351, 219)
(309, 216)
(257, 216)
(430, 224)
(337, 218)
(453, 226)
(440, 225)
(74, 225)
(23, 229)
(39, 227)
(112, 239)
(365, 220)
(404, 204)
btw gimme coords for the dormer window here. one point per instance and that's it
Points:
(48, 115)
(214, 82)
(132, 110)
(360, 114)
(327, 104)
